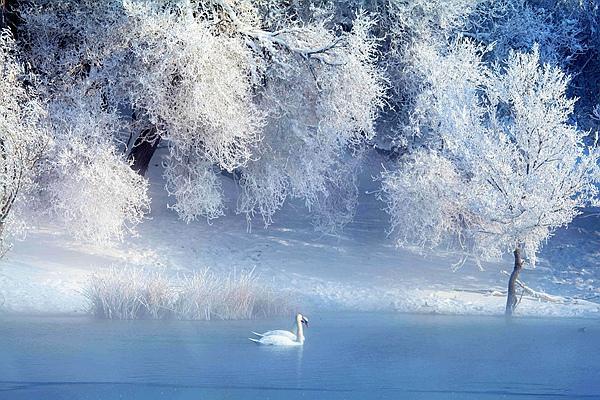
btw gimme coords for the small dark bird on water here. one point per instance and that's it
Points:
(581, 329)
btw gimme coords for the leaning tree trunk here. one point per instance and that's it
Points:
(143, 150)
(511, 300)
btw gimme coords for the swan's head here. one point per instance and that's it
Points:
(302, 319)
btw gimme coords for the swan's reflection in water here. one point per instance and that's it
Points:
(299, 355)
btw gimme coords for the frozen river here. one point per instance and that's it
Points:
(346, 356)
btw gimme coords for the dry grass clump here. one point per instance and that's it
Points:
(133, 293)
(205, 295)
(129, 293)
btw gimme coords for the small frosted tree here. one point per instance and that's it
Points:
(503, 168)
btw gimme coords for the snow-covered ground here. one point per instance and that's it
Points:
(360, 269)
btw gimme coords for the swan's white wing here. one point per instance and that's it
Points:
(277, 340)
(279, 332)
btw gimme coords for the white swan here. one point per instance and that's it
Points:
(284, 338)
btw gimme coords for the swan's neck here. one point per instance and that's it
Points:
(300, 334)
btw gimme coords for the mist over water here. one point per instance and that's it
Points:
(346, 356)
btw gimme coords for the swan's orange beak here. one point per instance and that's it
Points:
(305, 321)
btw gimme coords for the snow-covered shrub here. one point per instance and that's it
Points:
(134, 293)
(23, 135)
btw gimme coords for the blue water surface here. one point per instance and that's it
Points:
(346, 356)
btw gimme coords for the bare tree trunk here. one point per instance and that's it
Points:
(143, 150)
(511, 300)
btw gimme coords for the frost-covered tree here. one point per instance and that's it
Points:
(566, 31)
(23, 137)
(84, 179)
(518, 25)
(283, 97)
(405, 25)
(88, 182)
(321, 111)
(276, 105)
(503, 168)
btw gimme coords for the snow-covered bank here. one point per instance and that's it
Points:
(360, 269)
